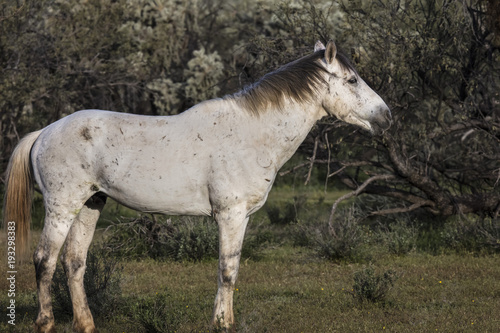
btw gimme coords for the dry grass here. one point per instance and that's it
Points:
(289, 290)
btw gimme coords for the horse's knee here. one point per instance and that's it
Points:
(41, 263)
(72, 264)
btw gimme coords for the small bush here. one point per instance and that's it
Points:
(193, 240)
(472, 235)
(188, 239)
(400, 237)
(141, 237)
(371, 287)
(344, 241)
(290, 213)
(101, 282)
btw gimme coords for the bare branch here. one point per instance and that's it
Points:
(337, 172)
(355, 193)
(311, 162)
(295, 168)
(399, 209)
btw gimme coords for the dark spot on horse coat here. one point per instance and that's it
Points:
(227, 279)
(76, 265)
(85, 133)
(40, 268)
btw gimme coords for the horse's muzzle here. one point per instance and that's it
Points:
(382, 120)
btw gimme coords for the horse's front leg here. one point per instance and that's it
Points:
(232, 225)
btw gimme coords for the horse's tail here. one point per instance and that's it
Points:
(18, 197)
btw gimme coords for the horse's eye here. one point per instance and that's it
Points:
(352, 80)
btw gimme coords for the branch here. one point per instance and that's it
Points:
(409, 171)
(354, 193)
(398, 210)
(311, 163)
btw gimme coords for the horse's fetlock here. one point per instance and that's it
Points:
(45, 324)
(84, 328)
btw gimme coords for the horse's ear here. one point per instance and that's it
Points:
(331, 52)
(318, 46)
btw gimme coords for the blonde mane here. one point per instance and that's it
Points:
(298, 80)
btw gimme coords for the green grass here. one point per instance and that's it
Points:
(287, 288)
(290, 290)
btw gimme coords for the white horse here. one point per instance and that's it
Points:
(219, 158)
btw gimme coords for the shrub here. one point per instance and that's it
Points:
(141, 237)
(371, 287)
(188, 239)
(101, 282)
(481, 235)
(400, 237)
(193, 240)
(343, 241)
(290, 212)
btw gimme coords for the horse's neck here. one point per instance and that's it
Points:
(284, 130)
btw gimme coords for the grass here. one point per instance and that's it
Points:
(291, 290)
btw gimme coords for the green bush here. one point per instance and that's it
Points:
(141, 237)
(193, 240)
(371, 287)
(186, 239)
(400, 237)
(101, 282)
(344, 241)
(476, 235)
(189, 239)
(290, 213)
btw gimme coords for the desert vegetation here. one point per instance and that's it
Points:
(398, 232)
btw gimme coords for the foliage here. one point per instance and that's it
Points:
(144, 237)
(343, 242)
(400, 236)
(101, 282)
(194, 240)
(182, 239)
(291, 211)
(371, 287)
(436, 63)
(476, 235)
(156, 57)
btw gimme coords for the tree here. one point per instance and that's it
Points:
(436, 63)
(437, 66)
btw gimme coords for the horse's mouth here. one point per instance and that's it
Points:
(381, 123)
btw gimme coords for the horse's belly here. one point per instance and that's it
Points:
(169, 201)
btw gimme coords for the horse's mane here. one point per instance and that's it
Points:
(298, 80)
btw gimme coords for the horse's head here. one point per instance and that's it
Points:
(348, 97)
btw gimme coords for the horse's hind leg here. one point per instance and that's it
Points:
(56, 227)
(74, 261)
